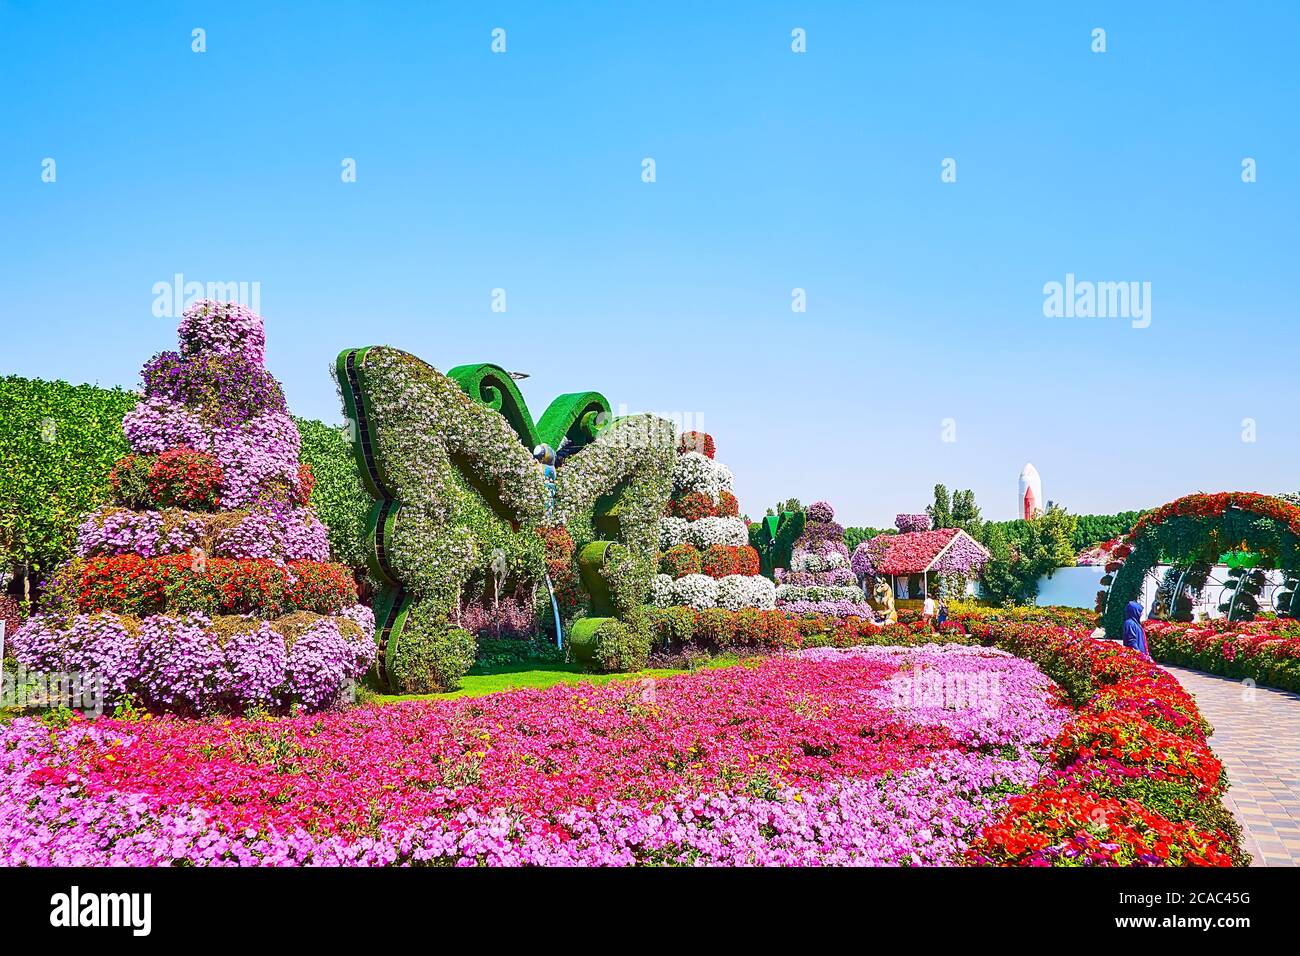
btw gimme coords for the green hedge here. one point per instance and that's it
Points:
(58, 443)
(341, 500)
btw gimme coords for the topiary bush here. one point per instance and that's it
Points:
(620, 646)
(436, 660)
(337, 494)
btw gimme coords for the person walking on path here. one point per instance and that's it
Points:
(1134, 636)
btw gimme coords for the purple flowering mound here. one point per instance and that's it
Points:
(820, 579)
(909, 523)
(213, 472)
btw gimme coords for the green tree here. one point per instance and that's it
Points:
(855, 536)
(941, 511)
(966, 513)
(58, 443)
(1023, 551)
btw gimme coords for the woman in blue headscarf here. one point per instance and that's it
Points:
(1134, 636)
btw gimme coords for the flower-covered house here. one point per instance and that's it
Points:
(949, 555)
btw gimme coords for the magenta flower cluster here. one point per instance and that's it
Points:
(111, 531)
(294, 534)
(819, 579)
(223, 328)
(462, 782)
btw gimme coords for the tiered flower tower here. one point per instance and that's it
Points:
(819, 580)
(706, 559)
(206, 585)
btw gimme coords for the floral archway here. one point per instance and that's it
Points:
(1198, 529)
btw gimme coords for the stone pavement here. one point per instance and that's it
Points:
(1257, 736)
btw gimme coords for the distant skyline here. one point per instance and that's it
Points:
(931, 348)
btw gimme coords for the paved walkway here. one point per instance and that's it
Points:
(1257, 736)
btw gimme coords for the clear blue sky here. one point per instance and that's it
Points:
(775, 170)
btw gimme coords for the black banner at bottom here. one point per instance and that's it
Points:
(218, 906)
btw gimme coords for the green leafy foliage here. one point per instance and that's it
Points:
(1023, 551)
(959, 511)
(339, 497)
(1094, 529)
(855, 536)
(58, 443)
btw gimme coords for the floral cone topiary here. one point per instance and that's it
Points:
(206, 585)
(706, 560)
(820, 579)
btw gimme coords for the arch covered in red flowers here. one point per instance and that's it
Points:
(1199, 528)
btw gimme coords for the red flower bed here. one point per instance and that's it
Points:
(728, 505)
(717, 561)
(696, 441)
(680, 560)
(1069, 826)
(185, 478)
(130, 584)
(693, 506)
(306, 482)
(1133, 781)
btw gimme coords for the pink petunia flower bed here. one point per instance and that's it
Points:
(876, 756)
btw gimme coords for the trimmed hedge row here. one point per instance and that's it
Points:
(1265, 651)
(1132, 780)
(58, 443)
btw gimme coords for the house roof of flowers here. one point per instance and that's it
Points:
(945, 549)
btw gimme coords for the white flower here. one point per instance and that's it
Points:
(696, 590)
(662, 590)
(672, 532)
(803, 560)
(818, 592)
(695, 472)
(707, 531)
(737, 591)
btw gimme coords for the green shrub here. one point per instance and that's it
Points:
(340, 499)
(621, 647)
(429, 661)
(58, 443)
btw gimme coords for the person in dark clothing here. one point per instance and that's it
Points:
(1134, 636)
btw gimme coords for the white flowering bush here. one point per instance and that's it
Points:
(709, 531)
(672, 532)
(695, 472)
(818, 592)
(661, 590)
(815, 561)
(634, 455)
(696, 590)
(738, 591)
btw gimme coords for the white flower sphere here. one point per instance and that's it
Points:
(672, 532)
(738, 591)
(662, 590)
(696, 590)
(709, 531)
(696, 472)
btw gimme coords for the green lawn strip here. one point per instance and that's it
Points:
(478, 683)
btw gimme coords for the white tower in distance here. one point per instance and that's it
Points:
(1031, 492)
